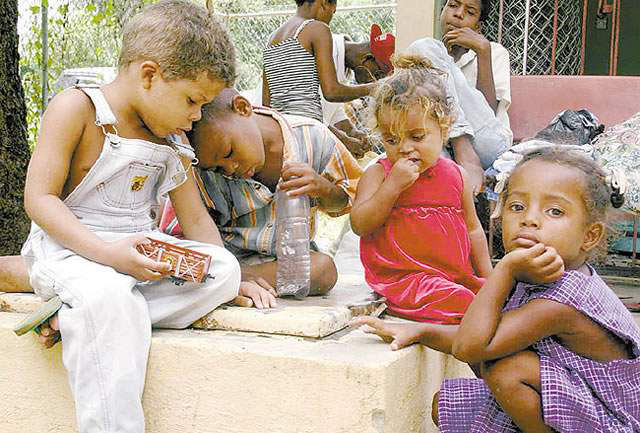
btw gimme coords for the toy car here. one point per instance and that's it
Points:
(186, 264)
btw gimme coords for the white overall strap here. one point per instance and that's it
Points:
(182, 149)
(104, 115)
(301, 27)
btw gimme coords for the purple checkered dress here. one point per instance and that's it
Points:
(578, 395)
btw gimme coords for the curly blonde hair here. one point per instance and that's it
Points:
(182, 38)
(414, 81)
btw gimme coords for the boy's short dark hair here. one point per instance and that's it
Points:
(301, 2)
(485, 6)
(484, 13)
(183, 38)
(214, 111)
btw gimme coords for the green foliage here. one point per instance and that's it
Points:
(86, 33)
(81, 34)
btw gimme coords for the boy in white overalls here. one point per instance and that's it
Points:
(105, 160)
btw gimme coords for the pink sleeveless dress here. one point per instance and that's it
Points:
(420, 259)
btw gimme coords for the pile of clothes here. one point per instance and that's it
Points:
(617, 150)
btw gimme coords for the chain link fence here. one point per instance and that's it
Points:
(250, 32)
(542, 36)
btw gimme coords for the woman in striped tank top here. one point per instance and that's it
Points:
(298, 61)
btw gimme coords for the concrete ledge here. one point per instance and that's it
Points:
(231, 382)
(314, 317)
(19, 302)
(223, 382)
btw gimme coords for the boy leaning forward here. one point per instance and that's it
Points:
(105, 159)
(247, 152)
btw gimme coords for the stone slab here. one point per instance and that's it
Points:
(19, 302)
(314, 317)
(299, 320)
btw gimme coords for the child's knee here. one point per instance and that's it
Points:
(106, 302)
(324, 274)
(434, 408)
(504, 375)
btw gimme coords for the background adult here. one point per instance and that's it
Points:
(298, 60)
(478, 74)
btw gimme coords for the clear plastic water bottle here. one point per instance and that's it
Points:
(293, 274)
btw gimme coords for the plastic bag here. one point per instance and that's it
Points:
(577, 127)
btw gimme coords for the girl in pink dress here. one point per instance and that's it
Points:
(421, 245)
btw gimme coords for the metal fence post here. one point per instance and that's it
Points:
(44, 8)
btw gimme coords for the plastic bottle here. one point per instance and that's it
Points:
(293, 274)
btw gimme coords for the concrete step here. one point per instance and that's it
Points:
(231, 382)
(204, 381)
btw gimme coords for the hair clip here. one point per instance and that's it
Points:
(619, 186)
(618, 181)
(497, 211)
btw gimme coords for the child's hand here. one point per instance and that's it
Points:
(404, 173)
(466, 38)
(300, 178)
(260, 292)
(358, 144)
(535, 263)
(123, 257)
(399, 335)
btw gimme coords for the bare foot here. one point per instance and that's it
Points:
(49, 332)
(399, 335)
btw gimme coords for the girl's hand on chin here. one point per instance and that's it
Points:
(535, 264)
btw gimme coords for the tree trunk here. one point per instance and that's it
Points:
(14, 148)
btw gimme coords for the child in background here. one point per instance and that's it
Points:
(94, 193)
(485, 64)
(479, 79)
(559, 350)
(244, 152)
(298, 60)
(421, 243)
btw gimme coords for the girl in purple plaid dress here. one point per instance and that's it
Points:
(558, 350)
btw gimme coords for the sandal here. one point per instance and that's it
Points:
(39, 317)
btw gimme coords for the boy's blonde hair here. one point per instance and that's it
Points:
(182, 38)
(414, 81)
